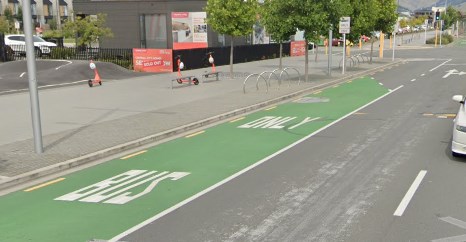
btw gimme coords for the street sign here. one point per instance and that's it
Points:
(344, 27)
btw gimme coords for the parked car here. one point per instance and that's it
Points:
(458, 143)
(17, 43)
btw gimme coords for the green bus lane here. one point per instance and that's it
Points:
(103, 201)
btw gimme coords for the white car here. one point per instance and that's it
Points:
(17, 43)
(458, 143)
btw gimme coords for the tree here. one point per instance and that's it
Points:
(362, 18)
(4, 26)
(88, 29)
(386, 15)
(278, 22)
(450, 17)
(9, 18)
(232, 17)
(315, 18)
(386, 18)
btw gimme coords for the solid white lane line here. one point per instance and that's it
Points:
(409, 194)
(195, 196)
(440, 65)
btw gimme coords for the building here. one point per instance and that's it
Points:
(159, 24)
(43, 11)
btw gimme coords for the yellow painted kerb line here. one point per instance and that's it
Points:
(44, 184)
(133, 155)
(271, 108)
(238, 119)
(191, 135)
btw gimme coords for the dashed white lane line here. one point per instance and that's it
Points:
(413, 80)
(409, 194)
(22, 74)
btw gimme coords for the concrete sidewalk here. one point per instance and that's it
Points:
(82, 124)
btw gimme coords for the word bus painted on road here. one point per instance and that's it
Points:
(116, 190)
(272, 122)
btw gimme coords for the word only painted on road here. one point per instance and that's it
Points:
(454, 72)
(117, 189)
(273, 122)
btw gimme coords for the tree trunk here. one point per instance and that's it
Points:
(231, 58)
(316, 50)
(306, 60)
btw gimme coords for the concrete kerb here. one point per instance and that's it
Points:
(75, 162)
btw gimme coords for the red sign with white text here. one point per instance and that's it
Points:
(297, 48)
(152, 60)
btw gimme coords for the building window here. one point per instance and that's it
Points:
(63, 8)
(153, 31)
(34, 9)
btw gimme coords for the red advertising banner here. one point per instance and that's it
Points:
(152, 60)
(297, 48)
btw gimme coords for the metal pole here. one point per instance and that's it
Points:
(31, 68)
(425, 35)
(394, 44)
(441, 32)
(344, 54)
(330, 43)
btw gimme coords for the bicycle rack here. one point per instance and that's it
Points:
(268, 79)
(351, 64)
(292, 68)
(257, 83)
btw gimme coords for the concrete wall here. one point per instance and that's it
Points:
(123, 18)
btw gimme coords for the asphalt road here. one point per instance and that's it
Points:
(347, 182)
(56, 73)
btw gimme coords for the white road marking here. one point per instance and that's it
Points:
(69, 62)
(413, 80)
(22, 74)
(52, 85)
(455, 64)
(186, 201)
(423, 74)
(409, 194)
(457, 223)
(440, 65)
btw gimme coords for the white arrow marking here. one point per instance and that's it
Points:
(457, 223)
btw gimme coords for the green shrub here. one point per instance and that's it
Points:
(446, 39)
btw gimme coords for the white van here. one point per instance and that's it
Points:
(458, 144)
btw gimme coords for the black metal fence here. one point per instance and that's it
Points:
(192, 58)
(198, 58)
